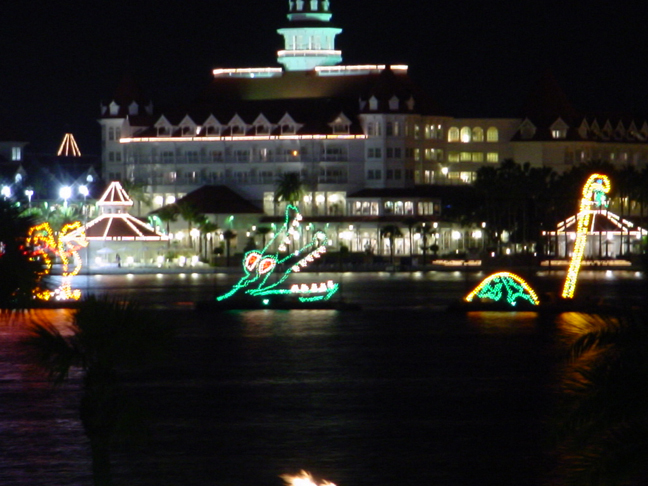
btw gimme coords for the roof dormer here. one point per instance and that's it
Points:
(237, 125)
(583, 129)
(559, 129)
(133, 108)
(262, 126)
(527, 129)
(394, 103)
(288, 125)
(163, 127)
(341, 124)
(188, 128)
(212, 127)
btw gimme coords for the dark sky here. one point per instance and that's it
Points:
(58, 59)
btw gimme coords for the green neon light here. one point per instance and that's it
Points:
(259, 266)
(504, 287)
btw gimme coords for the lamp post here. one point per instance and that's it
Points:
(65, 193)
(6, 192)
(29, 193)
(83, 190)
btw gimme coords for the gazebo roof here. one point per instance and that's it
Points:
(603, 221)
(121, 227)
(117, 226)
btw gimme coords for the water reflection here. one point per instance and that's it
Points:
(265, 323)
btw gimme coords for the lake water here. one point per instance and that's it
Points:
(401, 392)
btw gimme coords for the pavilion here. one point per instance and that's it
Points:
(115, 237)
(609, 236)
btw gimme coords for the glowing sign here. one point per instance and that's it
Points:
(504, 286)
(593, 195)
(46, 247)
(260, 266)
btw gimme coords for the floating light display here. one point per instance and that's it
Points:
(504, 286)
(594, 191)
(46, 247)
(260, 265)
(303, 479)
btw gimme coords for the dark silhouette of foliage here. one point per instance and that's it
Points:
(20, 273)
(603, 416)
(105, 339)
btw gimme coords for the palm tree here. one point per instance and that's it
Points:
(425, 231)
(206, 226)
(410, 222)
(263, 231)
(168, 214)
(190, 214)
(289, 188)
(105, 338)
(229, 235)
(138, 192)
(603, 418)
(391, 232)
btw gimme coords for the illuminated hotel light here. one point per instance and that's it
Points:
(252, 138)
(594, 191)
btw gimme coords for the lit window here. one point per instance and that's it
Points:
(465, 134)
(16, 153)
(559, 133)
(492, 135)
(492, 157)
(453, 134)
(466, 156)
(478, 134)
(453, 156)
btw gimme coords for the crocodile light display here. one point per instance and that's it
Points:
(266, 271)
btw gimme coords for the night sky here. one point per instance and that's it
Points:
(59, 59)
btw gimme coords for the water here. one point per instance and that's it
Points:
(398, 393)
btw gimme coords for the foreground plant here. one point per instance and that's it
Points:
(105, 339)
(603, 418)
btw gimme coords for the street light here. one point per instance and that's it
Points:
(6, 192)
(83, 190)
(65, 193)
(29, 193)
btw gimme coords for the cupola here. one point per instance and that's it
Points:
(309, 40)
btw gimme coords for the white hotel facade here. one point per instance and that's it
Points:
(370, 145)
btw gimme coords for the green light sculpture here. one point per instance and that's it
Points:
(260, 266)
(504, 287)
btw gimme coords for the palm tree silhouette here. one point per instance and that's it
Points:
(105, 338)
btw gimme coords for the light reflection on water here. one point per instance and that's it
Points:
(362, 398)
(41, 438)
